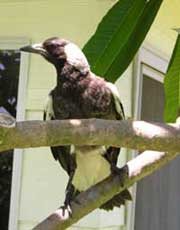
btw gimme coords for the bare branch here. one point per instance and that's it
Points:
(130, 134)
(143, 165)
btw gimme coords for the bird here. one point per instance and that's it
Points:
(80, 94)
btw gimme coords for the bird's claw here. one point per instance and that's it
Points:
(66, 211)
(121, 172)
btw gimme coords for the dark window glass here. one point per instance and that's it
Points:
(9, 78)
(158, 199)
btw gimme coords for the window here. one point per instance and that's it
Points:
(152, 192)
(9, 79)
(155, 197)
(13, 66)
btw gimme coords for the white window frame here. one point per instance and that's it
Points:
(152, 63)
(14, 44)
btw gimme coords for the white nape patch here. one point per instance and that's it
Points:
(76, 58)
(92, 167)
(48, 109)
(116, 97)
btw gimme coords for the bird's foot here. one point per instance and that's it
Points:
(66, 211)
(121, 172)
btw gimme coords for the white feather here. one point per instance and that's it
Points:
(116, 97)
(48, 110)
(92, 167)
(76, 58)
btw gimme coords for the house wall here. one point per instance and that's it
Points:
(162, 35)
(42, 180)
(37, 20)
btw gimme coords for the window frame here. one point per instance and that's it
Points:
(153, 63)
(14, 44)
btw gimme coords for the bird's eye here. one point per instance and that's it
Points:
(51, 46)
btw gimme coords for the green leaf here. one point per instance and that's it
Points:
(119, 35)
(172, 85)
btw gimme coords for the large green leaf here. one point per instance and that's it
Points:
(172, 85)
(119, 35)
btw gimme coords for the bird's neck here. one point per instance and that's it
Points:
(68, 74)
(59, 67)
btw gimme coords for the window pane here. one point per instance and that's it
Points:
(152, 100)
(9, 78)
(157, 200)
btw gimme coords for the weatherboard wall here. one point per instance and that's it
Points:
(42, 180)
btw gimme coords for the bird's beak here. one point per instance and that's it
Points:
(35, 48)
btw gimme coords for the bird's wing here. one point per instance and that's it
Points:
(48, 109)
(119, 110)
(112, 153)
(60, 153)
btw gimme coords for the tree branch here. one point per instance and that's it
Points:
(143, 165)
(131, 134)
(139, 135)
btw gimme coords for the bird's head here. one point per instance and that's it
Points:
(60, 51)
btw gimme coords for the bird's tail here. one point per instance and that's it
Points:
(117, 200)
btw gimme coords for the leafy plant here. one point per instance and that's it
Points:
(119, 35)
(172, 85)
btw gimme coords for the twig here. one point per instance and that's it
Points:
(143, 165)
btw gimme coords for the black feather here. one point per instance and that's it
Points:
(79, 94)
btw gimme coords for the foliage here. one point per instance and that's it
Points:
(119, 35)
(172, 85)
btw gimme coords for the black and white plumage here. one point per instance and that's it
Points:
(80, 94)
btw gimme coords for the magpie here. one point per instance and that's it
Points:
(80, 94)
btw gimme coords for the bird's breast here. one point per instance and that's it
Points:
(92, 167)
